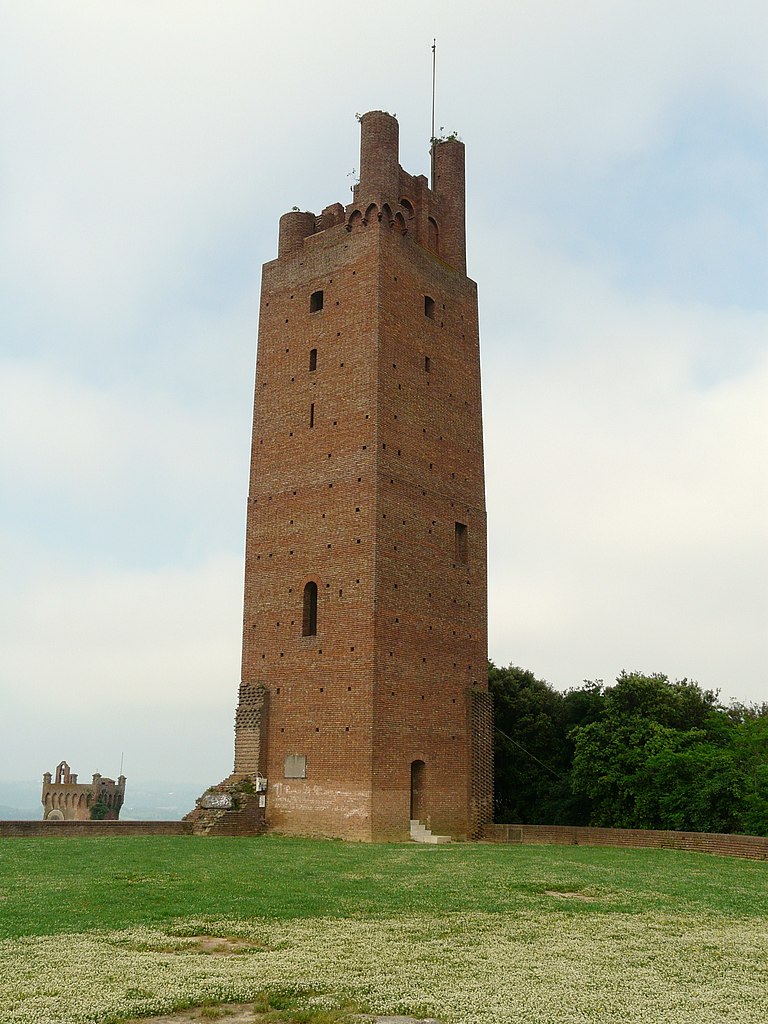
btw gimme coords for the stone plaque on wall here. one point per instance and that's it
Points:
(296, 766)
(220, 801)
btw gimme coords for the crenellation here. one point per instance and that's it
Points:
(331, 216)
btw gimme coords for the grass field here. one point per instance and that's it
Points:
(108, 929)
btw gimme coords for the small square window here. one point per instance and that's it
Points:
(315, 302)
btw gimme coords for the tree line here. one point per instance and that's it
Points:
(645, 752)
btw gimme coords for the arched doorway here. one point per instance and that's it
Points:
(418, 787)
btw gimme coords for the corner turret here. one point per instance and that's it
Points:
(433, 217)
(449, 190)
(379, 156)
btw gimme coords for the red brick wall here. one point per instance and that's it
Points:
(312, 498)
(431, 635)
(22, 829)
(754, 847)
(360, 470)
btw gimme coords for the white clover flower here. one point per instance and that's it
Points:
(553, 968)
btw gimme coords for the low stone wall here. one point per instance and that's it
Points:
(32, 829)
(753, 847)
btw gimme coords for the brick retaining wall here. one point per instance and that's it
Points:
(753, 847)
(30, 829)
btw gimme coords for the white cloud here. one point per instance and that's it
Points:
(95, 447)
(146, 153)
(114, 658)
(627, 502)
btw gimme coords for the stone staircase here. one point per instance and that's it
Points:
(421, 834)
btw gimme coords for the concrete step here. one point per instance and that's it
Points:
(421, 834)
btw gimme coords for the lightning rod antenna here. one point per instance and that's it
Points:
(432, 136)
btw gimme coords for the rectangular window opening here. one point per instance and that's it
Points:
(311, 415)
(312, 359)
(460, 544)
(309, 610)
(315, 302)
(429, 307)
(427, 364)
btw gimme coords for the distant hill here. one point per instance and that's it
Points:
(20, 800)
(159, 801)
(19, 813)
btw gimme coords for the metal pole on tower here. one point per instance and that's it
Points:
(432, 137)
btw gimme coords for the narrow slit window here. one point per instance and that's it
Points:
(309, 620)
(311, 415)
(460, 544)
(427, 364)
(315, 302)
(429, 307)
(312, 359)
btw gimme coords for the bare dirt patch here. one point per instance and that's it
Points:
(567, 895)
(246, 1013)
(232, 1013)
(222, 945)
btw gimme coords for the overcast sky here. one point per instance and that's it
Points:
(617, 165)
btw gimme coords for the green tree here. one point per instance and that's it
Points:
(643, 753)
(532, 748)
(98, 811)
(751, 748)
(699, 786)
(527, 756)
(661, 756)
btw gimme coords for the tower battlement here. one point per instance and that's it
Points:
(434, 217)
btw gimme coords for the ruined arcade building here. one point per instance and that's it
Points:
(364, 696)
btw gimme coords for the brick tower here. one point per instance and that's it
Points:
(364, 696)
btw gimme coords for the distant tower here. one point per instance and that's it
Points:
(65, 799)
(364, 697)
